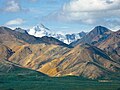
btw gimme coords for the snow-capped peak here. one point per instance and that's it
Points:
(41, 30)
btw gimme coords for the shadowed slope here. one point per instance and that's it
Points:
(97, 35)
(112, 46)
(5, 52)
(9, 68)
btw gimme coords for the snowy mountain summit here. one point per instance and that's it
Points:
(41, 30)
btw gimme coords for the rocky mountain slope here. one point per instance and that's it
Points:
(106, 40)
(112, 45)
(30, 51)
(5, 52)
(12, 69)
(94, 37)
(83, 60)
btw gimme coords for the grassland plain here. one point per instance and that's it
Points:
(36, 82)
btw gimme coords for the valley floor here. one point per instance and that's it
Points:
(47, 83)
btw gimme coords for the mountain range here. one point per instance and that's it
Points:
(41, 30)
(95, 36)
(96, 55)
(104, 39)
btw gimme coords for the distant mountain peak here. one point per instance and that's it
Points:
(41, 27)
(97, 35)
(21, 30)
(100, 29)
(99, 26)
(41, 30)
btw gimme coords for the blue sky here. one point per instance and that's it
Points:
(61, 15)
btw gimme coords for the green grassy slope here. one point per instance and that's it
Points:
(28, 82)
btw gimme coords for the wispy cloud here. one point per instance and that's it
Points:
(17, 21)
(91, 5)
(33, 0)
(84, 13)
(89, 12)
(12, 6)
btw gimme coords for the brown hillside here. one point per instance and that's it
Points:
(83, 60)
(112, 46)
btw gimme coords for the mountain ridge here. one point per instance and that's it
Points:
(26, 38)
(96, 35)
(41, 30)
